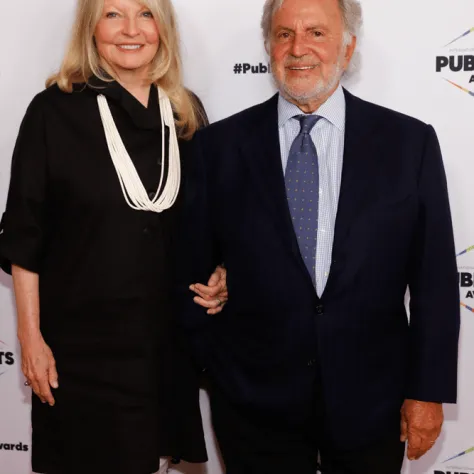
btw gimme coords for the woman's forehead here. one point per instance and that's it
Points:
(126, 4)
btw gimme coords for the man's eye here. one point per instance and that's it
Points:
(284, 35)
(317, 34)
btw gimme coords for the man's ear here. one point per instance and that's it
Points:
(350, 48)
(267, 46)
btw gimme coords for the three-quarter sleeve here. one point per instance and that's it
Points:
(22, 229)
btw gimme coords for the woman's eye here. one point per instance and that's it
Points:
(147, 14)
(111, 15)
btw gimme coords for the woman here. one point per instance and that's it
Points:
(88, 231)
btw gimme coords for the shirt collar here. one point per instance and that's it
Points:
(143, 118)
(333, 110)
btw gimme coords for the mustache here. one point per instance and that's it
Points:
(301, 62)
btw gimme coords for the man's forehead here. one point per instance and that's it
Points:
(301, 4)
(315, 11)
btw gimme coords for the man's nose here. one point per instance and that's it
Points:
(298, 46)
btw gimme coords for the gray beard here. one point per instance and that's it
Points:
(318, 92)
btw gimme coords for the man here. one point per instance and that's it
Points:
(325, 209)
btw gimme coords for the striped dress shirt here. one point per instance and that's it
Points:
(328, 137)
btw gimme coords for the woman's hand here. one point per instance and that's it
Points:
(213, 296)
(37, 361)
(39, 367)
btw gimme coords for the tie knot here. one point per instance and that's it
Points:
(307, 122)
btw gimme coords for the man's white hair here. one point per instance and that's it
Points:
(351, 14)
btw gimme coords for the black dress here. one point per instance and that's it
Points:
(128, 393)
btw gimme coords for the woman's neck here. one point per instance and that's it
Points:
(137, 84)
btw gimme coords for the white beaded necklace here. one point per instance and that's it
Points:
(133, 190)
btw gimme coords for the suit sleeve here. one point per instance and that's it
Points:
(198, 255)
(434, 291)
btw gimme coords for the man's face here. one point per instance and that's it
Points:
(307, 49)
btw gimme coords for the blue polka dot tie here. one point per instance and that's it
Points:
(302, 190)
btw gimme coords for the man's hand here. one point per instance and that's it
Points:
(421, 424)
(213, 296)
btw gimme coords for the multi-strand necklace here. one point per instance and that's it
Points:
(133, 190)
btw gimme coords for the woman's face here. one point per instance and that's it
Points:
(127, 36)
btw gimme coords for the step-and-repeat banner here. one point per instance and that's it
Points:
(416, 57)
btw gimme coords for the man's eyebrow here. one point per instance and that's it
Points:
(284, 28)
(307, 28)
(316, 26)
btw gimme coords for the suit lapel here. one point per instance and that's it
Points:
(360, 162)
(263, 155)
(261, 149)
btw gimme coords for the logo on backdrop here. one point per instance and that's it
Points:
(14, 447)
(7, 358)
(456, 469)
(455, 63)
(247, 68)
(466, 280)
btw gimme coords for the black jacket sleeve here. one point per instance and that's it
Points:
(198, 253)
(23, 227)
(434, 290)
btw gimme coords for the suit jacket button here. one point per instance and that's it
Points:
(320, 309)
(151, 195)
(311, 363)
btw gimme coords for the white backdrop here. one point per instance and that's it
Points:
(401, 43)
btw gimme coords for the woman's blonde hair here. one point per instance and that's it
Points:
(82, 60)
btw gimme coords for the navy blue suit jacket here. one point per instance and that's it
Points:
(393, 231)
